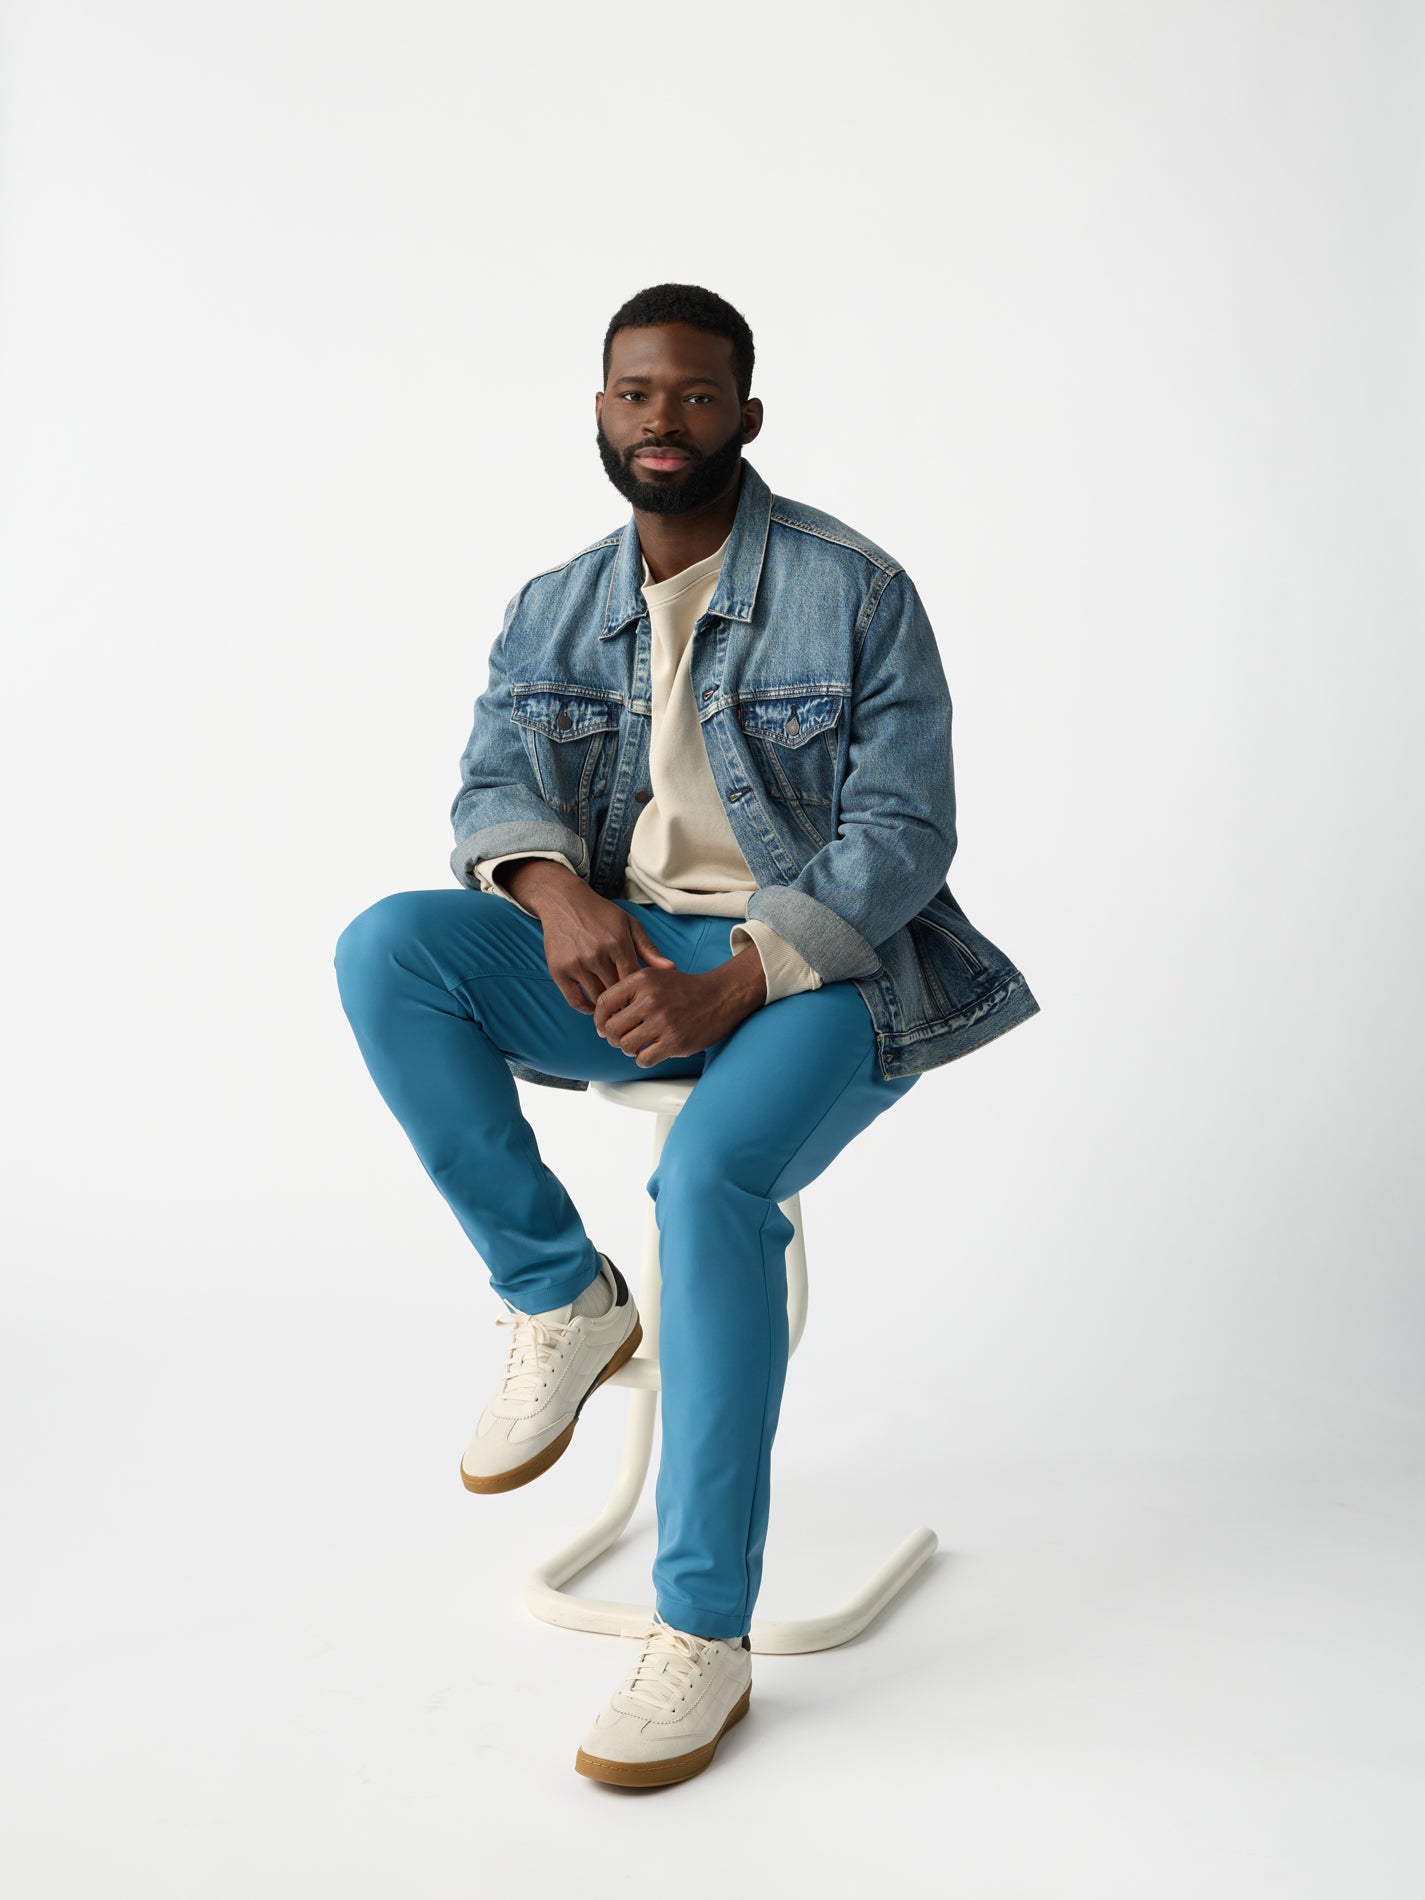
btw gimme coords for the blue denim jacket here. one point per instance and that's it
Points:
(826, 715)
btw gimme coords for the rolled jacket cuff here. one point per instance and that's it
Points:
(508, 840)
(833, 948)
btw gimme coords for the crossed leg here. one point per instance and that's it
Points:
(441, 986)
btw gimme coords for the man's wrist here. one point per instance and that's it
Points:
(532, 882)
(744, 977)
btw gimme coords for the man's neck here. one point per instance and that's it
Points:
(672, 542)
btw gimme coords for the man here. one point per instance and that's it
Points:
(706, 813)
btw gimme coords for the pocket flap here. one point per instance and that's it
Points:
(564, 712)
(789, 718)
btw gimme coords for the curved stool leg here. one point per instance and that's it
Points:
(544, 1595)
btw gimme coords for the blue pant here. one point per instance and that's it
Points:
(439, 986)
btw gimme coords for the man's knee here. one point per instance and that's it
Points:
(367, 946)
(696, 1173)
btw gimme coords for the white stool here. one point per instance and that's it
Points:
(544, 1595)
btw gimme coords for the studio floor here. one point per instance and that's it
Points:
(260, 1641)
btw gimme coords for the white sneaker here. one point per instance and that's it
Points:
(673, 1708)
(555, 1360)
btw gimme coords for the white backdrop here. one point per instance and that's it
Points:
(1104, 321)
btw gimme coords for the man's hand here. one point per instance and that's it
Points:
(659, 1013)
(589, 942)
(593, 949)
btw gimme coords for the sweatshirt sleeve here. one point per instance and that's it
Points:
(787, 972)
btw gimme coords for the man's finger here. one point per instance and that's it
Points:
(647, 949)
(573, 995)
(594, 978)
(603, 968)
(625, 958)
(612, 997)
(620, 1022)
(622, 1019)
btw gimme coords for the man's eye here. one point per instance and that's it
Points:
(636, 395)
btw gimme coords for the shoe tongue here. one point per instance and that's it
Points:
(557, 1315)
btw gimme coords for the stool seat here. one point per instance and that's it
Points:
(544, 1594)
(663, 1094)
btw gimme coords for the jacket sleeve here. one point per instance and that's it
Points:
(499, 810)
(896, 831)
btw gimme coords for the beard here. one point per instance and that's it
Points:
(708, 476)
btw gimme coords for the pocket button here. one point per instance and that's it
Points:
(793, 726)
(563, 722)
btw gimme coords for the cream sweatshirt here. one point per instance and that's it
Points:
(683, 855)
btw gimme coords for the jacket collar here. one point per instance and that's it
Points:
(741, 565)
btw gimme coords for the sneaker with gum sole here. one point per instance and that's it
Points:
(551, 1367)
(665, 1720)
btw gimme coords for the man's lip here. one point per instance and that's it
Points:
(662, 455)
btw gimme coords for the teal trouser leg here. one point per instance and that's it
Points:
(439, 986)
(776, 1103)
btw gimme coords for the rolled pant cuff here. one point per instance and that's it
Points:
(552, 1293)
(696, 1621)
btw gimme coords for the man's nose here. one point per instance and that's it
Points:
(662, 419)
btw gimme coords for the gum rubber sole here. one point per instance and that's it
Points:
(660, 1774)
(555, 1449)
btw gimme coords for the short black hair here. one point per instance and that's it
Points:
(687, 303)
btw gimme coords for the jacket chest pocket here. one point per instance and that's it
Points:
(571, 735)
(792, 735)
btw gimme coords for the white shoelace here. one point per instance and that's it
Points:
(670, 1662)
(533, 1344)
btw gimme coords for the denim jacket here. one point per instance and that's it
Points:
(826, 716)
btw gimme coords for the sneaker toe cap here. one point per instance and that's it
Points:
(617, 1736)
(491, 1449)
(501, 1444)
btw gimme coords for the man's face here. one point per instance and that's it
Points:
(671, 387)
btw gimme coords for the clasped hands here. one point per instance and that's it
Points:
(659, 1012)
(652, 1011)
